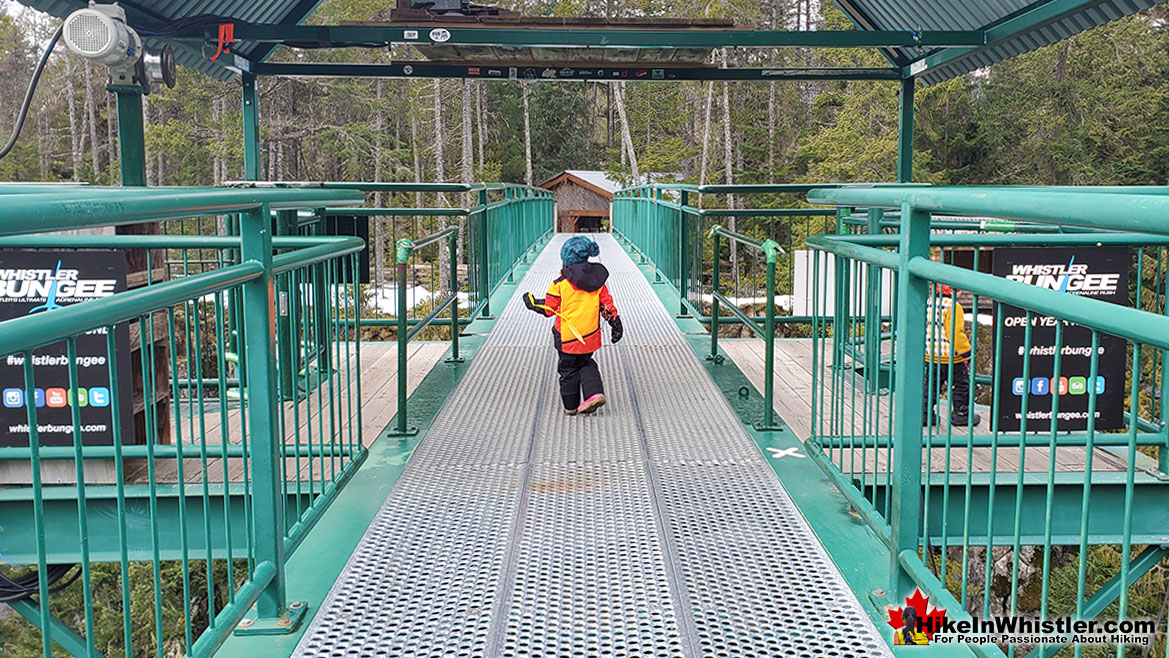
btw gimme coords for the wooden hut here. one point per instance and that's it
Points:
(583, 199)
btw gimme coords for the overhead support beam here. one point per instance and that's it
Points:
(341, 36)
(862, 20)
(1027, 21)
(506, 71)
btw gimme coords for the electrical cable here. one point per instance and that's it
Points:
(32, 87)
(22, 587)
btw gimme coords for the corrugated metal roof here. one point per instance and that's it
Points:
(979, 15)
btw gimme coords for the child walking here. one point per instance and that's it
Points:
(579, 299)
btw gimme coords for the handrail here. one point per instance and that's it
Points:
(771, 250)
(1123, 321)
(31, 331)
(37, 213)
(1108, 210)
(404, 248)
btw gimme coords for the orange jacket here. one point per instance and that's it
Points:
(581, 296)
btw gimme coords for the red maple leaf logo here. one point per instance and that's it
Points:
(930, 619)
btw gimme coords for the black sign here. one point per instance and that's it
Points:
(42, 282)
(1096, 272)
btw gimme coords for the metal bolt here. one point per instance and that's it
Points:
(244, 623)
(296, 605)
(879, 593)
(284, 621)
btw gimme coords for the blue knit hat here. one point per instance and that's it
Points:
(578, 250)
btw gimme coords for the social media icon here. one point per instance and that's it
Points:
(13, 398)
(1040, 386)
(1099, 385)
(1078, 385)
(99, 396)
(82, 398)
(1019, 386)
(1061, 385)
(55, 397)
(38, 395)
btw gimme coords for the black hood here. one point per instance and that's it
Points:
(586, 276)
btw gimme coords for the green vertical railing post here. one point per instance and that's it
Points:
(485, 259)
(272, 613)
(873, 312)
(131, 135)
(908, 389)
(285, 225)
(905, 132)
(453, 245)
(683, 264)
(250, 106)
(1163, 449)
(402, 252)
(771, 250)
(714, 307)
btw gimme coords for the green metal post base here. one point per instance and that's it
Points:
(760, 427)
(452, 360)
(395, 434)
(881, 599)
(717, 358)
(288, 621)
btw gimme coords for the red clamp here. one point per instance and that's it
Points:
(226, 39)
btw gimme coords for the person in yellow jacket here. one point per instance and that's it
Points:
(945, 339)
(909, 633)
(579, 299)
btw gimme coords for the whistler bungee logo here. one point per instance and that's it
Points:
(917, 621)
(51, 287)
(1073, 278)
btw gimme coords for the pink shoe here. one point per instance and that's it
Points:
(592, 404)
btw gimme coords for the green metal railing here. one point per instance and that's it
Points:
(952, 500)
(665, 226)
(217, 482)
(771, 251)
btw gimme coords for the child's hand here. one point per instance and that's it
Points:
(618, 330)
(533, 303)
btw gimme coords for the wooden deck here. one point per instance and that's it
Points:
(793, 402)
(306, 421)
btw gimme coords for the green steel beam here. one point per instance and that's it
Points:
(908, 390)
(1110, 591)
(1101, 210)
(250, 103)
(1043, 13)
(62, 633)
(341, 36)
(863, 21)
(1105, 526)
(37, 213)
(504, 69)
(398, 212)
(905, 131)
(131, 136)
(363, 186)
(17, 539)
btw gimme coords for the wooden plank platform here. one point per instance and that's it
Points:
(321, 414)
(793, 402)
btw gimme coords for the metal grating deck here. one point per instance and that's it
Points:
(652, 528)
